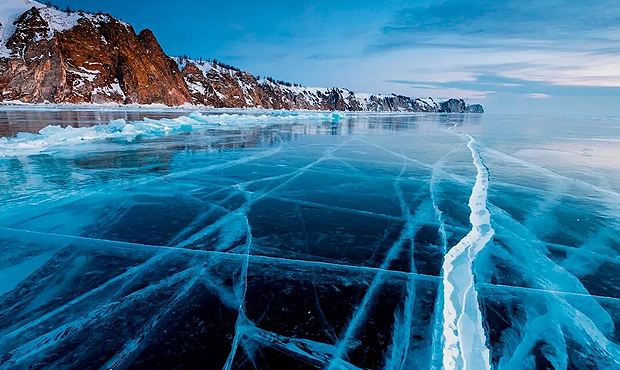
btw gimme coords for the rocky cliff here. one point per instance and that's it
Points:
(218, 85)
(58, 57)
(47, 55)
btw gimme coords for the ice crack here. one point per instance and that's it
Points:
(464, 339)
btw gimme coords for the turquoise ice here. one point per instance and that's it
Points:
(257, 239)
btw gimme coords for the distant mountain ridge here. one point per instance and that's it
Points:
(47, 55)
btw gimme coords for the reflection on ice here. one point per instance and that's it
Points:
(58, 137)
(303, 240)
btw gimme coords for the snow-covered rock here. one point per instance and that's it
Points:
(75, 57)
(217, 85)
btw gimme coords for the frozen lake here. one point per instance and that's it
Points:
(300, 240)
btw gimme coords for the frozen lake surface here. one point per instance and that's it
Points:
(300, 240)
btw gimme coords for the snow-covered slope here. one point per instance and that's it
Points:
(217, 85)
(10, 10)
(48, 55)
(57, 21)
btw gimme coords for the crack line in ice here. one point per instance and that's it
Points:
(552, 173)
(125, 276)
(187, 232)
(44, 342)
(408, 232)
(251, 201)
(157, 251)
(290, 261)
(396, 154)
(520, 244)
(327, 328)
(585, 321)
(329, 207)
(584, 251)
(464, 339)
(437, 339)
(132, 347)
(403, 317)
(315, 352)
(241, 318)
(66, 196)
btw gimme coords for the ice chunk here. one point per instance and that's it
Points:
(57, 137)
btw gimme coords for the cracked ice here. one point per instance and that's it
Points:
(259, 240)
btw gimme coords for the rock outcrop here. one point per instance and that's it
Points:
(47, 55)
(459, 106)
(60, 57)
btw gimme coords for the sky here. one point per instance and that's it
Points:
(512, 56)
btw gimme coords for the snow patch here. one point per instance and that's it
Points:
(203, 66)
(10, 10)
(85, 74)
(195, 87)
(112, 89)
(302, 89)
(58, 21)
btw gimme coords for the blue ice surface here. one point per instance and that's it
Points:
(305, 240)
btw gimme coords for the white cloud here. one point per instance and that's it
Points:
(442, 93)
(538, 96)
(440, 58)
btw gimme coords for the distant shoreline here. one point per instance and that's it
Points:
(20, 106)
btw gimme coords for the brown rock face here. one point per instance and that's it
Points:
(224, 87)
(99, 60)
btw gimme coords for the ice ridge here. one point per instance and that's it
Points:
(464, 339)
(57, 137)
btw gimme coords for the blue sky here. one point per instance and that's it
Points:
(512, 56)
